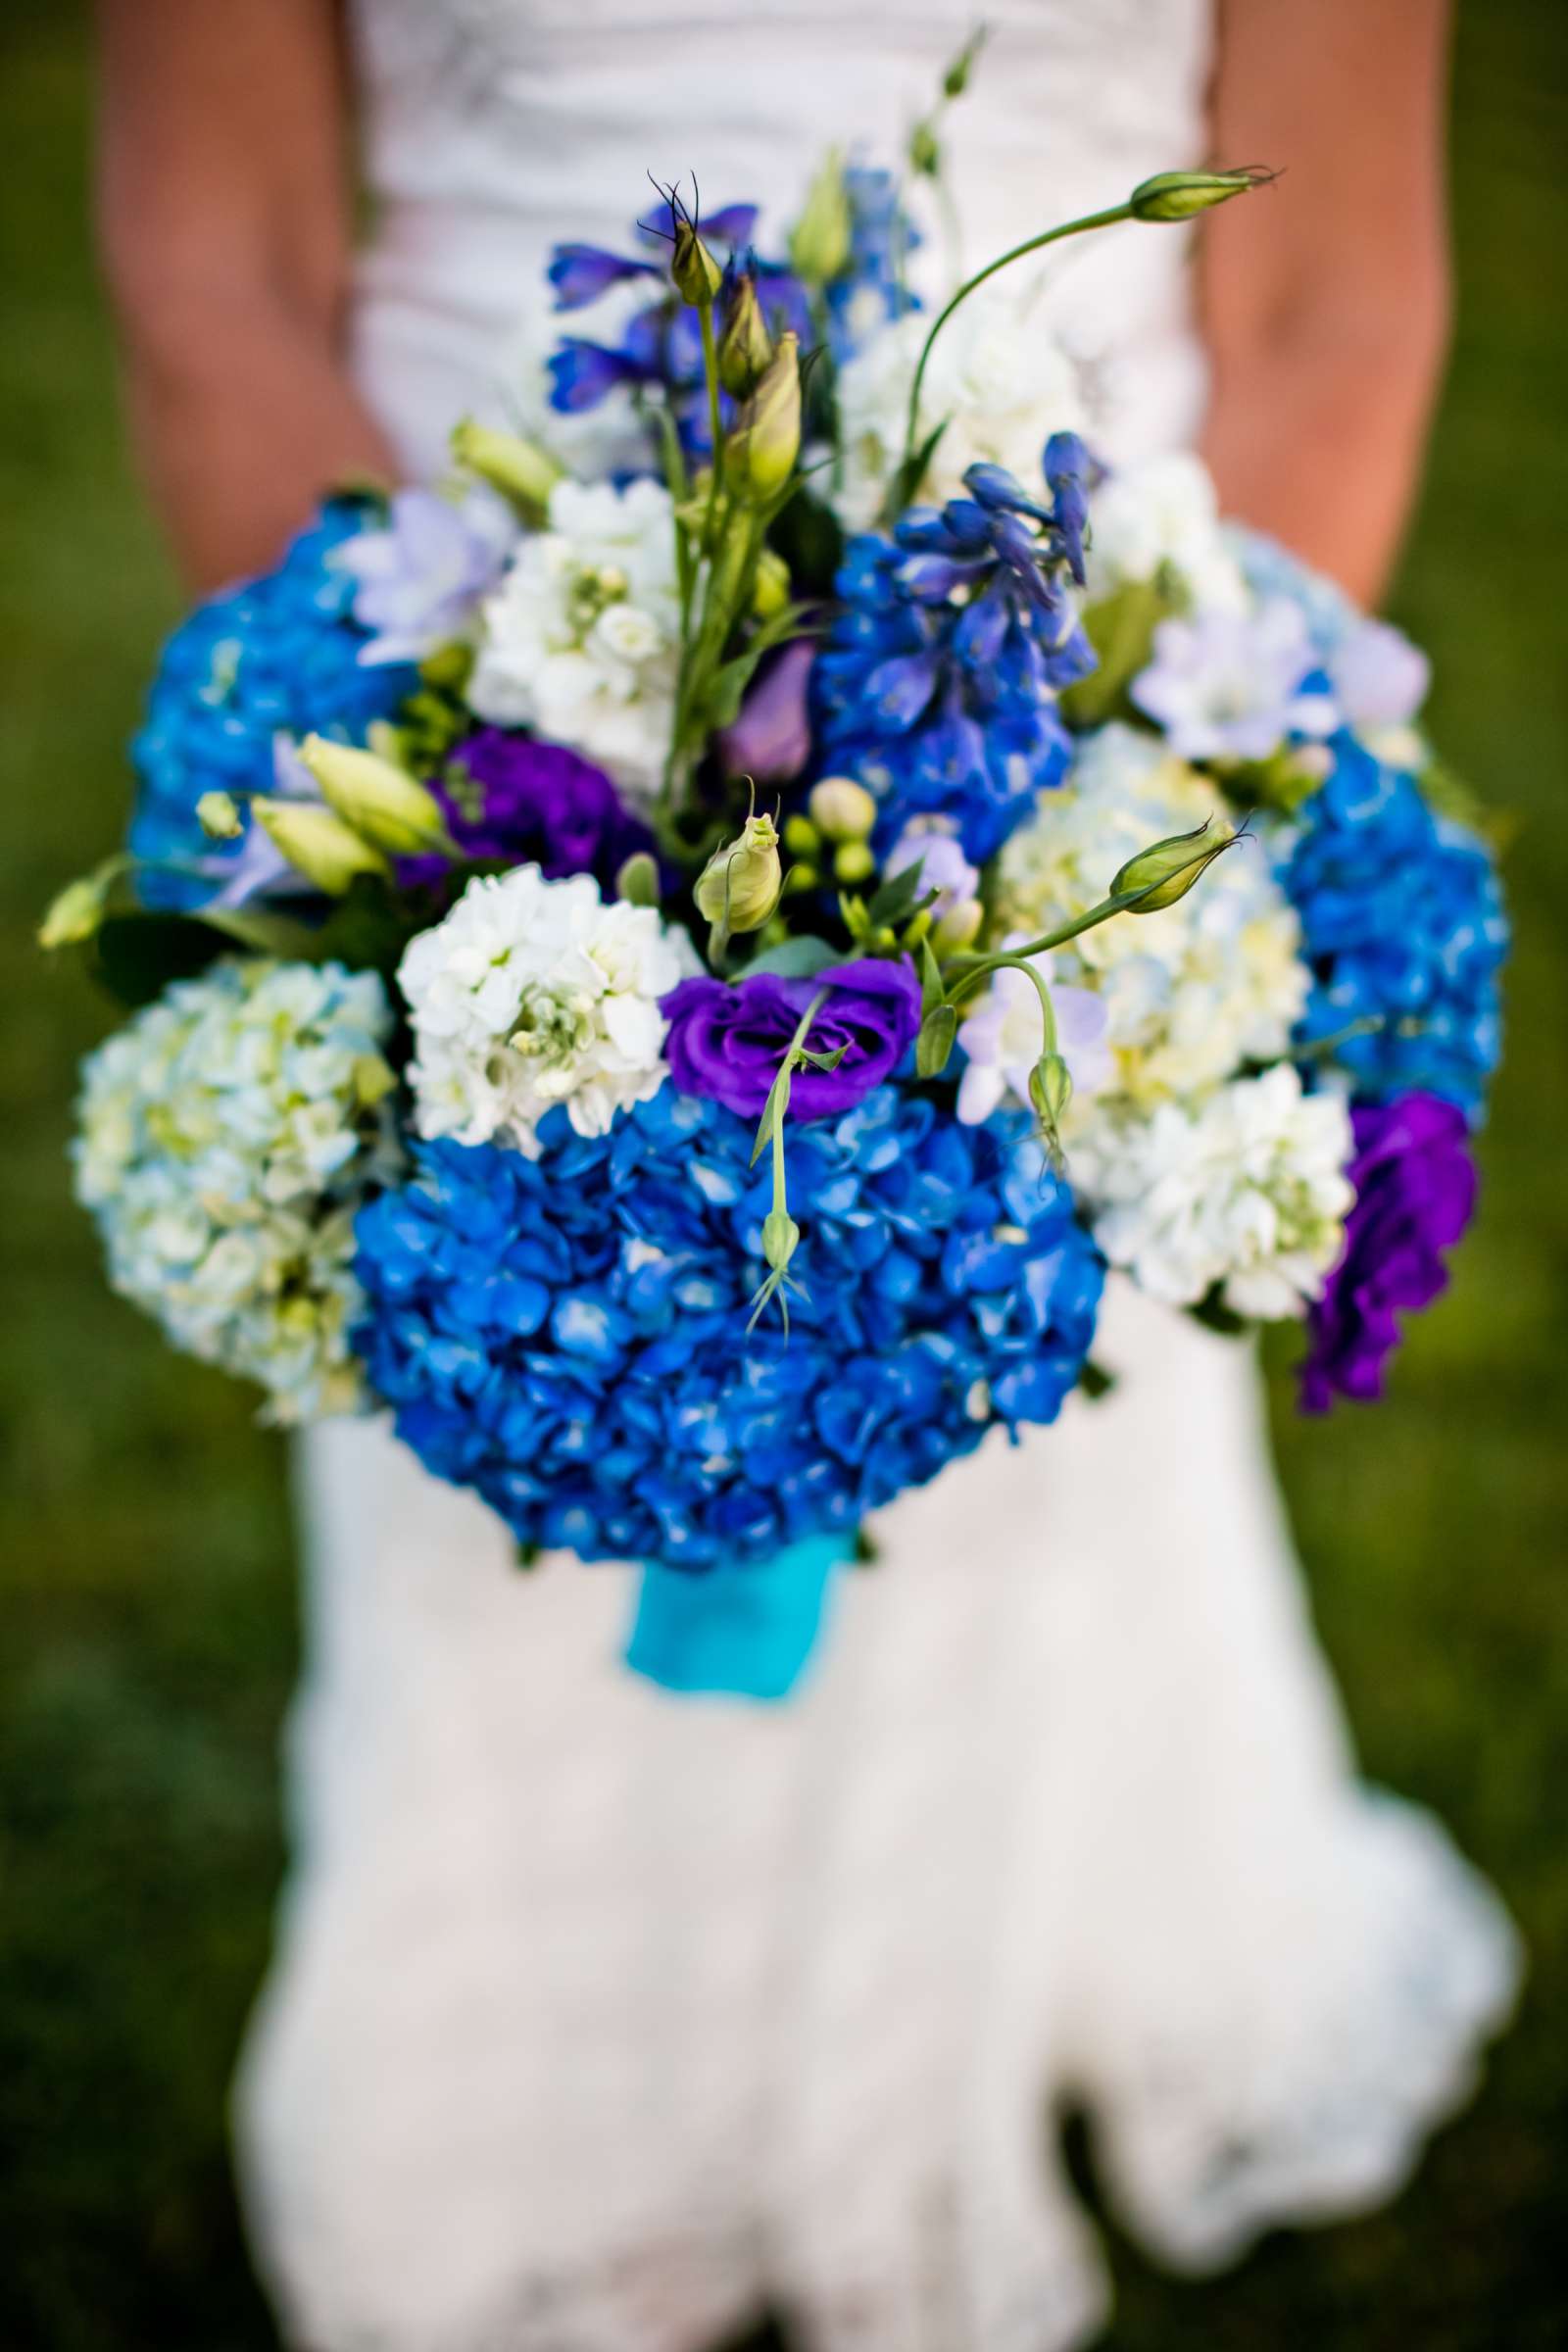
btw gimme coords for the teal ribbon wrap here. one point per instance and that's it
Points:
(735, 1632)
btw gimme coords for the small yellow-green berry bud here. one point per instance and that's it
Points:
(801, 837)
(382, 802)
(821, 239)
(317, 844)
(637, 880)
(218, 814)
(852, 862)
(518, 469)
(739, 886)
(800, 878)
(745, 347)
(925, 152)
(771, 593)
(841, 808)
(1167, 869)
(958, 928)
(955, 80)
(766, 441)
(75, 913)
(694, 273)
(1178, 195)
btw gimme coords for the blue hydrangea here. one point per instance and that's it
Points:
(567, 1335)
(279, 654)
(937, 685)
(1404, 928)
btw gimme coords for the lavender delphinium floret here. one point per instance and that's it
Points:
(727, 1040)
(421, 577)
(1415, 1191)
(511, 800)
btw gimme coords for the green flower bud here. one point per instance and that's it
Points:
(1178, 195)
(781, 1238)
(958, 928)
(853, 863)
(637, 881)
(925, 152)
(1167, 869)
(218, 814)
(821, 238)
(841, 808)
(75, 914)
(739, 886)
(317, 844)
(518, 469)
(773, 590)
(745, 347)
(801, 878)
(762, 450)
(382, 802)
(955, 80)
(801, 837)
(696, 276)
(1049, 1087)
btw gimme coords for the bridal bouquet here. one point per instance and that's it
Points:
(674, 961)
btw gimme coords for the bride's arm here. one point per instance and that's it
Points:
(223, 214)
(1326, 296)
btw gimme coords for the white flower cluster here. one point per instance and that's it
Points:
(531, 992)
(1194, 1175)
(1191, 992)
(1163, 515)
(999, 378)
(1245, 1194)
(227, 1137)
(582, 641)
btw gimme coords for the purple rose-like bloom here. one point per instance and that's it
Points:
(1415, 1188)
(512, 799)
(728, 1039)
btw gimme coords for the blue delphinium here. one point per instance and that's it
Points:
(279, 654)
(567, 1335)
(1404, 926)
(872, 290)
(937, 684)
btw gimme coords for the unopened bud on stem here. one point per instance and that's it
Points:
(745, 346)
(1179, 195)
(317, 844)
(515, 467)
(767, 440)
(739, 886)
(821, 238)
(383, 803)
(1167, 869)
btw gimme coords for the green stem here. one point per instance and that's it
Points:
(973, 969)
(1049, 236)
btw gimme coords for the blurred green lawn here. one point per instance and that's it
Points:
(149, 1625)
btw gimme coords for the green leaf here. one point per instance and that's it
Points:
(1214, 1315)
(722, 701)
(933, 988)
(136, 957)
(807, 534)
(793, 959)
(896, 899)
(1095, 1381)
(912, 474)
(1121, 629)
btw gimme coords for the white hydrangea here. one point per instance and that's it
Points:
(997, 375)
(531, 992)
(581, 640)
(1245, 1194)
(227, 1137)
(1191, 992)
(1163, 513)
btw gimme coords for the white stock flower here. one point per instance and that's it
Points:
(1247, 1194)
(997, 375)
(1163, 511)
(581, 640)
(226, 1136)
(531, 992)
(1191, 992)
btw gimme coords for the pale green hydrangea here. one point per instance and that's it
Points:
(227, 1137)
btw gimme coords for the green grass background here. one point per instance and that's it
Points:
(147, 1609)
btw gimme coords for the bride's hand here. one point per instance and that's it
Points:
(1326, 297)
(224, 217)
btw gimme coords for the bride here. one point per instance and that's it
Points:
(599, 2019)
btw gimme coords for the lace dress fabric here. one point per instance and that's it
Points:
(600, 2017)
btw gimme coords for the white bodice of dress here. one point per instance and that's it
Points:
(495, 128)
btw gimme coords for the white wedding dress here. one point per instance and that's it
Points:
(599, 2016)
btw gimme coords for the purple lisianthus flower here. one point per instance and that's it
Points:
(728, 1039)
(512, 801)
(771, 740)
(1415, 1188)
(422, 576)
